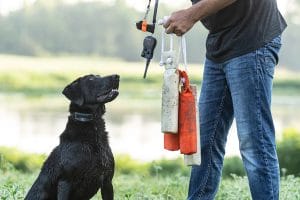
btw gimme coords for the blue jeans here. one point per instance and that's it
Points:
(239, 88)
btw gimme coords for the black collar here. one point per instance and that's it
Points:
(82, 117)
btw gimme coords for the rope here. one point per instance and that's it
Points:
(182, 52)
(147, 11)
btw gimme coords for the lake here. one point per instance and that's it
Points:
(34, 125)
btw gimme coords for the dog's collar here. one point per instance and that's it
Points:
(82, 117)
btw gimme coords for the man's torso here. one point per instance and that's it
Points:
(242, 27)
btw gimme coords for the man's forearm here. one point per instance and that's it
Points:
(205, 8)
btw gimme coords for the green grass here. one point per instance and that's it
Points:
(134, 180)
(14, 185)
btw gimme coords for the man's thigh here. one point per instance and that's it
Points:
(250, 82)
(215, 104)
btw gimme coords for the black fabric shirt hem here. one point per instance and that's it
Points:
(244, 51)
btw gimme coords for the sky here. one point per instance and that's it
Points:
(9, 5)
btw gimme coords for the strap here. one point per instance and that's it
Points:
(155, 12)
(82, 117)
(162, 47)
(147, 10)
(183, 45)
(144, 25)
(182, 51)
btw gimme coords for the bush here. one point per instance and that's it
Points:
(24, 162)
(5, 165)
(233, 165)
(288, 150)
(166, 167)
(126, 165)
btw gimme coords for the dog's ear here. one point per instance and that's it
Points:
(73, 93)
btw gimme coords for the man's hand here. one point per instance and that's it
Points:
(182, 21)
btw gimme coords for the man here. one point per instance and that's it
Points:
(242, 51)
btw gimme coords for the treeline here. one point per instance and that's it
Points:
(88, 28)
(96, 28)
(84, 29)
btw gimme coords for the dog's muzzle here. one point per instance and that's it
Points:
(112, 93)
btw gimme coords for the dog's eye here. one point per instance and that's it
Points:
(91, 79)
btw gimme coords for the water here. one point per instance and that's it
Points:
(36, 126)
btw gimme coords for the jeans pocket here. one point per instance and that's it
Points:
(271, 50)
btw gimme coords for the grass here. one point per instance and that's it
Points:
(14, 185)
(134, 180)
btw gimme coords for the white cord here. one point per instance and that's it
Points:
(162, 47)
(183, 45)
(182, 51)
(171, 42)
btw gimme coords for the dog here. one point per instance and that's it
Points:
(83, 162)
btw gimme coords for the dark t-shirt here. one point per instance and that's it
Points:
(242, 27)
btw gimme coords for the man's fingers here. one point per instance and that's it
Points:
(167, 23)
(170, 29)
(178, 33)
(173, 29)
(172, 26)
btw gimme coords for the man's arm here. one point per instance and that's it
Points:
(182, 21)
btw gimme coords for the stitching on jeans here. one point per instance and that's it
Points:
(217, 120)
(258, 112)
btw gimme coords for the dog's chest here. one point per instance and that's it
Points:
(104, 157)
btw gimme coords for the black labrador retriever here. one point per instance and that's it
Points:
(82, 162)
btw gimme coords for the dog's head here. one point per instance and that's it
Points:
(92, 90)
